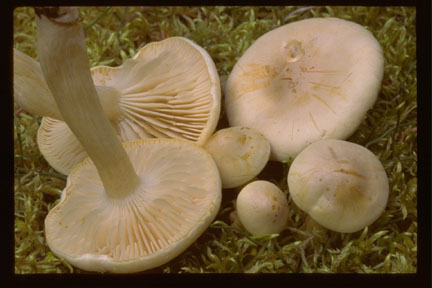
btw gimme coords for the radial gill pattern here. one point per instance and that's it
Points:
(178, 198)
(170, 89)
(59, 145)
(167, 91)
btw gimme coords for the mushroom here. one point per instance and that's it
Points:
(262, 208)
(240, 154)
(305, 81)
(341, 185)
(129, 207)
(170, 89)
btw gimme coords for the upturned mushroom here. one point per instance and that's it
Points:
(170, 89)
(262, 208)
(128, 207)
(240, 154)
(305, 81)
(341, 185)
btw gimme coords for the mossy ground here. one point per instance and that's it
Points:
(389, 130)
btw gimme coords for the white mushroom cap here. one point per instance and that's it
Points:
(305, 81)
(170, 89)
(240, 154)
(341, 185)
(179, 196)
(262, 208)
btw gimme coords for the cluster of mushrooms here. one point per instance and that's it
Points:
(145, 170)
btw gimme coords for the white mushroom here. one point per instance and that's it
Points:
(126, 208)
(240, 154)
(262, 208)
(305, 81)
(170, 89)
(341, 185)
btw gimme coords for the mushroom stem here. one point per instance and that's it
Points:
(65, 65)
(31, 91)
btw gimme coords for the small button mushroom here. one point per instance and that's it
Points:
(341, 185)
(305, 81)
(262, 208)
(240, 154)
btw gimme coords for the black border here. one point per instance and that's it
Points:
(420, 279)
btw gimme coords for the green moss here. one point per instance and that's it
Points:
(389, 130)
